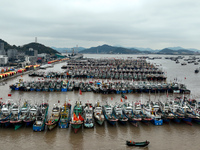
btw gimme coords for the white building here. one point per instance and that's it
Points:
(3, 60)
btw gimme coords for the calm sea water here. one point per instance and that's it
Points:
(172, 136)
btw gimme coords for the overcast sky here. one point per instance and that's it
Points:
(129, 23)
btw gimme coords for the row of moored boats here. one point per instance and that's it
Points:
(105, 87)
(87, 115)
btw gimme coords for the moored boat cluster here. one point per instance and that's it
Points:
(136, 75)
(100, 86)
(108, 76)
(177, 110)
(133, 69)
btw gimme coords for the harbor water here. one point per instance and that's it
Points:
(168, 136)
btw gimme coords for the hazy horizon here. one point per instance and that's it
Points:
(88, 23)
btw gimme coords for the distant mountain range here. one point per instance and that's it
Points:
(107, 49)
(103, 49)
(36, 46)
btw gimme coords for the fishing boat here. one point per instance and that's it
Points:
(25, 110)
(188, 114)
(195, 106)
(5, 114)
(128, 112)
(52, 122)
(65, 115)
(64, 86)
(176, 108)
(30, 119)
(117, 112)
(137, 108)
(138, 144)
(196, 70)
(39, 124)
(77, 119)
(107, 111)
(98, 114)
(15, 118)
(166, 115)
(88, 116)
(156, 118)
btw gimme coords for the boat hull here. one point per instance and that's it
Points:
(51, 126)
(17, 124)
(188, 121)
(177, 120)
(100, 122)
(76, 126)
(196, 121)
(63, 125)
(28, 122)
(88, 125)
(138, 144)
(157, 122)
(5, 123)
(38, 128)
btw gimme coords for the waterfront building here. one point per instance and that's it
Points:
(3, 60)
(12, 54)
(44, 56)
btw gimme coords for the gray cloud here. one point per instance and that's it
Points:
(130, 23)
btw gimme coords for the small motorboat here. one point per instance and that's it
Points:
(139, 144)
(196, 70)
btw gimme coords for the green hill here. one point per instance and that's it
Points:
(179, 52)
(41, 48)
(107, 49)
(36, 46)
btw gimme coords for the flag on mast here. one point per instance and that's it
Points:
(75, 117)
(80, 92)
(80, 117)
(124, 96)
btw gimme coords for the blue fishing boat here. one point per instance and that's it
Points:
(64, 86)
(39, 124)
(156, 119)
(52, 86)
(65, 116)
(107, 111)
(149, 111)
